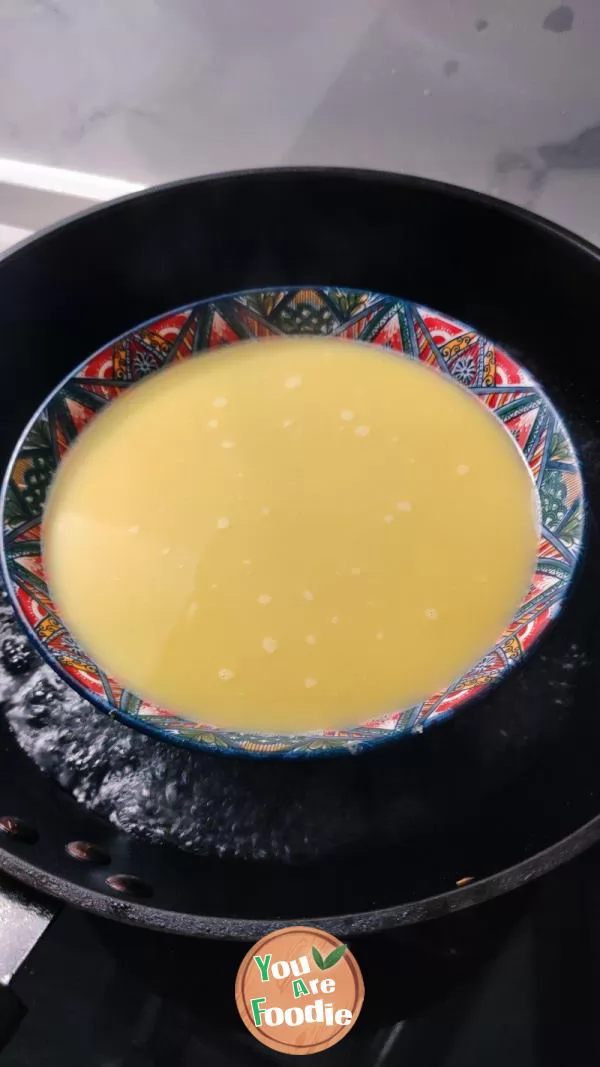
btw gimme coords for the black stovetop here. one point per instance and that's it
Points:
(515, 981)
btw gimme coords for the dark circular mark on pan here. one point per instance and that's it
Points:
(17, 829)
(86, 852)
(129, 885)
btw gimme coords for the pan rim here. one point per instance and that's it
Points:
(350, 924)
(391, 177)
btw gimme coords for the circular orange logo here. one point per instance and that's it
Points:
(299, 990)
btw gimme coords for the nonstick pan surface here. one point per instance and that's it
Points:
(506, 789)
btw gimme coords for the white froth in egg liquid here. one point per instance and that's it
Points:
(343, 582)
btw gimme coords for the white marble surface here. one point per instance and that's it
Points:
(498, 95)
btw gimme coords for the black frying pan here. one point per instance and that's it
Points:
(508, 788)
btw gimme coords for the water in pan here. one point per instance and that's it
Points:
(211, 805)
(157, 791)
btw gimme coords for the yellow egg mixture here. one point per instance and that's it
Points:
(291, 535)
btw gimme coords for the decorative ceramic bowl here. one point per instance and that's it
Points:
(412, 332)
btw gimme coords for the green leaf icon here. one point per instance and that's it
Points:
(333, 957)
(317, 957)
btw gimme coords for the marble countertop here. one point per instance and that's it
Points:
(499, 95)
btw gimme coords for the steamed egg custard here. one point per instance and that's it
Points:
(290, 535)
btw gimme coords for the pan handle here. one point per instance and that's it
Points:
(24, 916)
